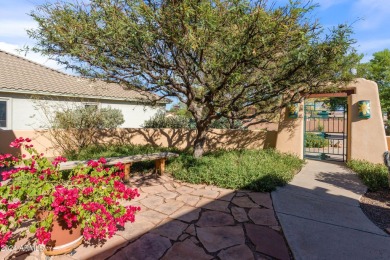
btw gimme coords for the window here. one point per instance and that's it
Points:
(91, 106)
(3, 113)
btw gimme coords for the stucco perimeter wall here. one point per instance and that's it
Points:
(388, 143)
(367, 138)
(290, 133)
(180, 138)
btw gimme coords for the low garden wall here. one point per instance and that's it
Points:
(388, 142)
(180, 138)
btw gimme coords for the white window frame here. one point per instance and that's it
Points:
(85, 104)
(9, 113)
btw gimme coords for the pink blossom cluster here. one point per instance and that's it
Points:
(64, 200)
(17, 143)
(43, 236)
(92, 192)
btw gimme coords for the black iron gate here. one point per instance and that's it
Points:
(325, 135)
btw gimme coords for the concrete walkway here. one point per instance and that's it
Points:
(321, 218)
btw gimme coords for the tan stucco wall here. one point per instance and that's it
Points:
(290, 133)
(367, 138)
(180, 138)
(388, 143)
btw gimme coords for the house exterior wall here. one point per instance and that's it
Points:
(25, 111)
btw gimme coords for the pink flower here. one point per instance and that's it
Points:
(4, 238)
(13, 205)
(42, 236)
(38, 199)
(87, 191)
(102, 160)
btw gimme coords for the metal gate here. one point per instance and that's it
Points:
(325, 135)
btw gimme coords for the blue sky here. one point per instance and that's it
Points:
(370, 19)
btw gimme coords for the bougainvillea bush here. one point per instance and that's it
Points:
(88, 196)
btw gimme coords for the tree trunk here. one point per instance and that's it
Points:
(199, 142)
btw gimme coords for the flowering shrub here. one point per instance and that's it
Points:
(88, 196)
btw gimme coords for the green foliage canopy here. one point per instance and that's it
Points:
(216, 57)
(378, 70)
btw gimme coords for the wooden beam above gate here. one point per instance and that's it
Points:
(344, 93)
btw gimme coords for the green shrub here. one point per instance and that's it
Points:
(159, 120)
(315, 141)
(257, 170)
(374, 176)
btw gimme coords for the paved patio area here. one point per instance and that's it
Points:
(185, 221)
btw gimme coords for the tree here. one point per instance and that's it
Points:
(218, 57)
(378, 70)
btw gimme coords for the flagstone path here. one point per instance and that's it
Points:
(186, 221)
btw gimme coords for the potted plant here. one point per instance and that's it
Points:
(55, 204)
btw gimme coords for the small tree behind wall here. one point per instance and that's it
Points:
(72, 125)
(218, 57)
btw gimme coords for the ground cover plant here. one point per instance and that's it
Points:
(374, 176)
(315, 141)
(258, 170)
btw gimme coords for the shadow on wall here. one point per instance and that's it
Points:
(6, 137)
(184, 139)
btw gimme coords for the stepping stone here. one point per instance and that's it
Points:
(217, 205)
(268, 241)
(244, 202)
(171, 229)
(217, 238)
(148, 247)
(169, 186)
(188, 199)
(264, 217)
(152, 216)
(169, 207)
(215, 219)
(239, 214)
(186, 250)
(191, 230)
(212, 194)
(152, 202)
(241, 252)
(184, 190)
(186, 214)
(262, 198)
(226, 195)
(136, 229)
(153, 189)
(168, 195)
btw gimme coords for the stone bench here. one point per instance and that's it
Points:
(159, 159)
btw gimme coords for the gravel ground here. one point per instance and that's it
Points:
(376, 206)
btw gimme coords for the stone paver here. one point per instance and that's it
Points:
(244, 202)
(218, 205)
(239, 214)
(265, 217)
(242, 252)
(186, 250)
(148, 247)
(186, 213)
(189, 199)
(217, 238)
(215, 219)
(261, 198)
(189, 221)
(267, 241)
(212, 194)
(169, 207)
(171, 229)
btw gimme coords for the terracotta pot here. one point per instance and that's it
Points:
(63, 239)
